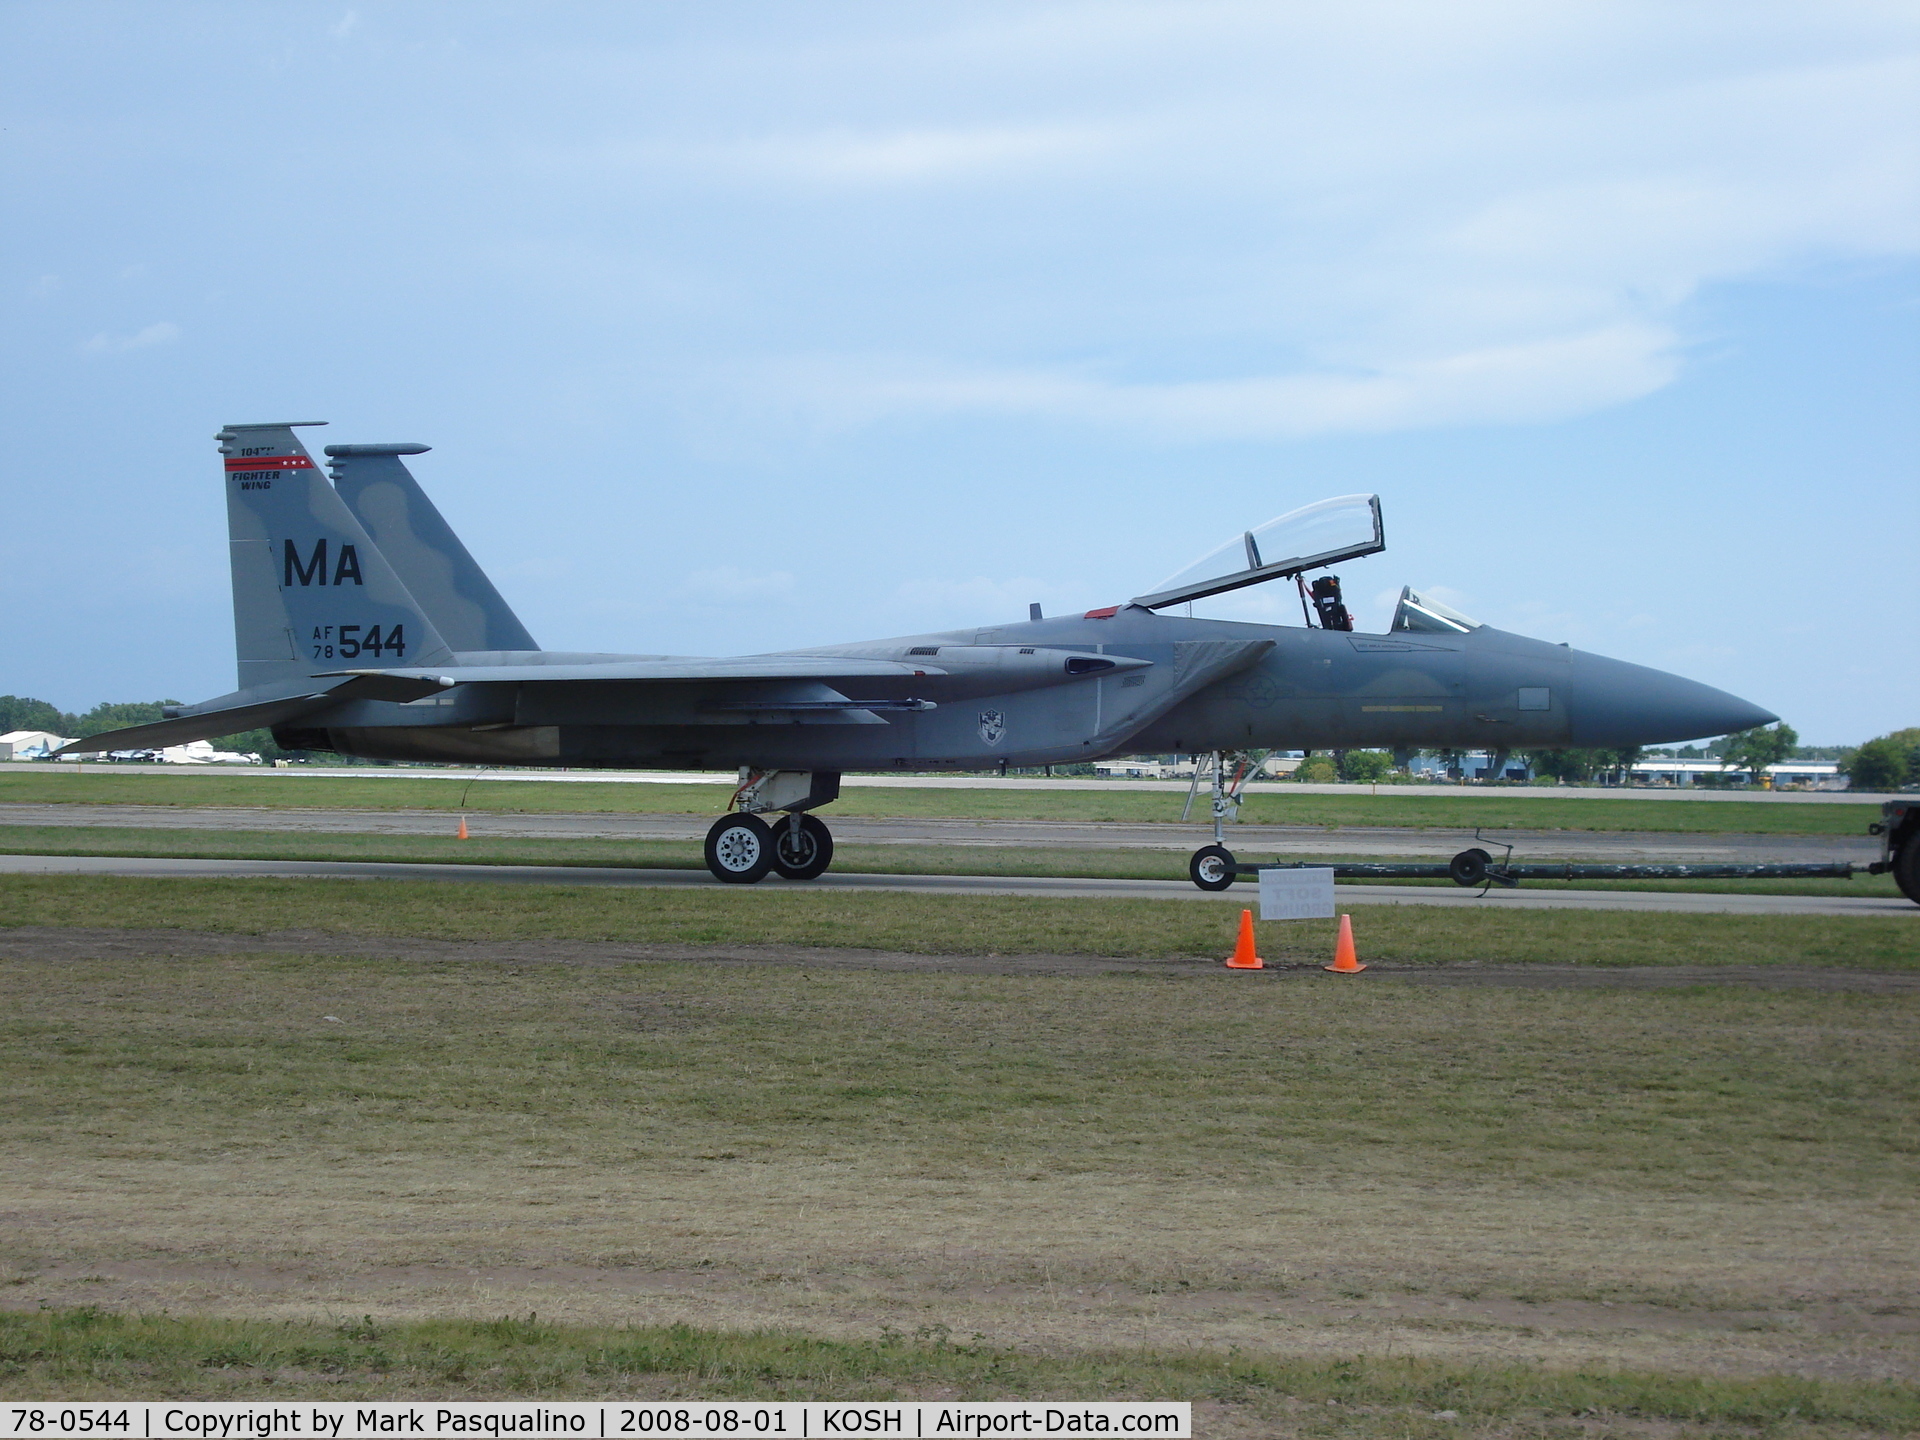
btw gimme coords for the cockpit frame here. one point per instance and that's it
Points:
(1258, 569)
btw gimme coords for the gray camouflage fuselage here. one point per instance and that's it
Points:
(1281, 687)
(364, 627)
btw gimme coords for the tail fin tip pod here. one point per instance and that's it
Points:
(429, 557)
(310, 587)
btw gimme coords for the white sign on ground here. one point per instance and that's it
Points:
(1288, 894)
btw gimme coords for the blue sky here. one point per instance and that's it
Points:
(737, 327)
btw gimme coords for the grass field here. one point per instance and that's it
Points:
(85, 1352)
(1313, 1207)
(1508, 1203)
(948, 924)
(686, 855)
(1265, 806)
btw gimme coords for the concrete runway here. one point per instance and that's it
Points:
(1249, 841)
(1245, 894)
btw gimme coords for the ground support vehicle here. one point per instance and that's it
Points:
(1899, 832)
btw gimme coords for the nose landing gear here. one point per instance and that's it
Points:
(1212, 866)
(742, 848)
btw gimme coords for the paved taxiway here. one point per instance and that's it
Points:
(1671, 902)
(303, 773)
(1250, 841)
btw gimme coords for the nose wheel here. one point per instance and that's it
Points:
(1211, 867)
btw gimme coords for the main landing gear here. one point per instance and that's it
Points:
(742, 848)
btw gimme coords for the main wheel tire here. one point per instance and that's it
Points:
(739, 849)
(1906, 868)
(1469, 867)
(1211, 867)
(801, 855)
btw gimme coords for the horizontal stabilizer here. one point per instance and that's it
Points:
(188, 728)
(211, 724)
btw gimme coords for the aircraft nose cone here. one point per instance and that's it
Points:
(1613, 703)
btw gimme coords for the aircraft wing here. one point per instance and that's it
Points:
(403, 685)
(745, 667)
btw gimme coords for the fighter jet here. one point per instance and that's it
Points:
(364, 627)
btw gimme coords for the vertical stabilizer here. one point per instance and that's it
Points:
(311, 591)
(422, 548)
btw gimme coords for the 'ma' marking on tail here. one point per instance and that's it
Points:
(311, 589)
(314, 570)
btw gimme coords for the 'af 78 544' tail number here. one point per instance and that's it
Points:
(350, 642)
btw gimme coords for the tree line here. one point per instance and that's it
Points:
(23, 712)
(1885, 763)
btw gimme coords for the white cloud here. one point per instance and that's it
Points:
(1542, 379)
(1488, 214)
(163, 333)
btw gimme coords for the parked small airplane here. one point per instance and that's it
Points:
(364, 627)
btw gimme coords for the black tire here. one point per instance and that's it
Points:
(804, 855)
(1211, 867)
(1906, 868)
(1469, 867)
(739, 849)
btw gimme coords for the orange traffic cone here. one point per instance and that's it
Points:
(1244, 957)
(1345, 961)
(461, 833)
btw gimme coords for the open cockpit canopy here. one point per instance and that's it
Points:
(1422, 613)
(1323, 533)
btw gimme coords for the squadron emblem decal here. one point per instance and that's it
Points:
(993, 725)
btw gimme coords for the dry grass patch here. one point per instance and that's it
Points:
(1700, 1176)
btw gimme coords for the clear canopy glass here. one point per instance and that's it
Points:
(1322, 533)
(1423, 613)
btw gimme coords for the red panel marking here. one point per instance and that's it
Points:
(1106, 614)
(269, 462)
